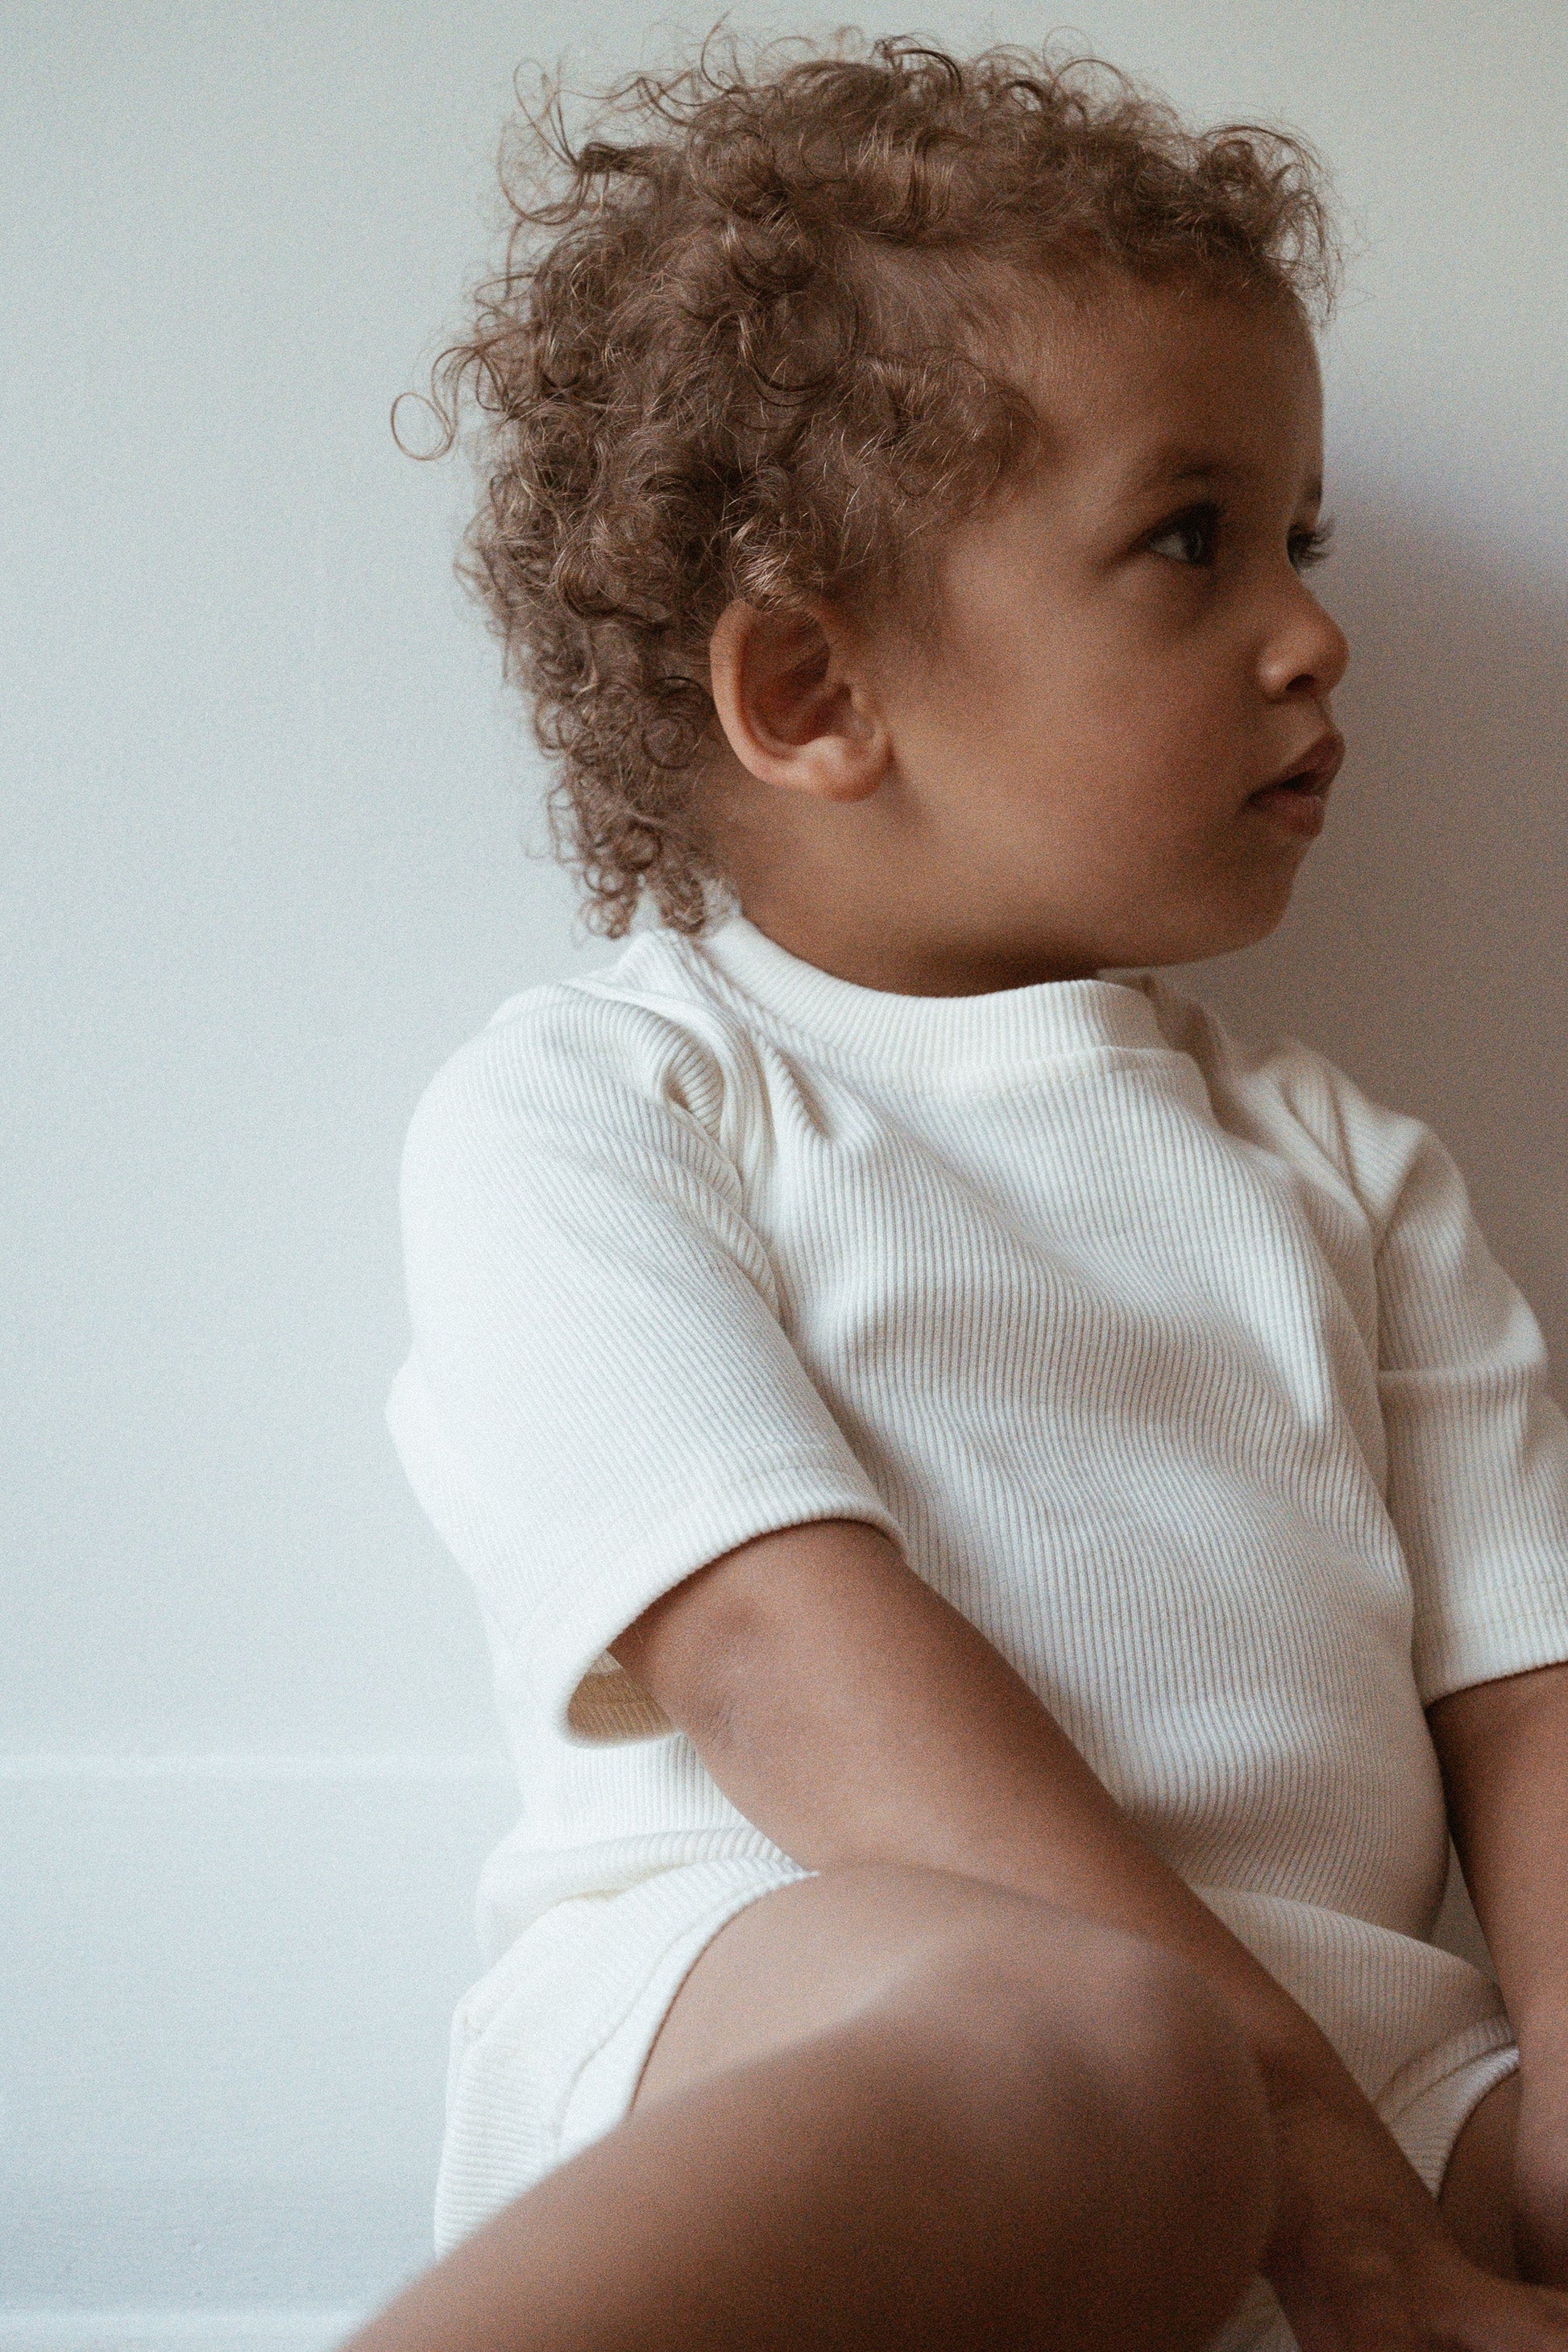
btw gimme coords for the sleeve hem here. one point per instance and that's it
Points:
(1491, 1651)
(611, 1584)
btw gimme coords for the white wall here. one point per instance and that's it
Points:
(264, 871)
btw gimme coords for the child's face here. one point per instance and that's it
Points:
(1129, 652)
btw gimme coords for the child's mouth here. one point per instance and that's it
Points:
(1300, 804)
(1297, 800)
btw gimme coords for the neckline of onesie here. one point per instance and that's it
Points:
(1006, 1028)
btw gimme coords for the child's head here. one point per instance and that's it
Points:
(900, 472)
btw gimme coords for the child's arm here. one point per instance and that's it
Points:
(1503, 1747)
(854, 1716)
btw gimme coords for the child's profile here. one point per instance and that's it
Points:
(1011, 1523)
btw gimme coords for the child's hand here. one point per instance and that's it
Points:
(1361, 2259)
(1437, 2300)
(1473, 2311)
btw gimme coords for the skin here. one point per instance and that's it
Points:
(1053, 777)
(1504, 1749)
(994, 2075)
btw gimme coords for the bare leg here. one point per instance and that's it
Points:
(892, 2109)
(1477, 2196)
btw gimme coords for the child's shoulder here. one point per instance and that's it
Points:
(1281, 1092)
(636, 1030)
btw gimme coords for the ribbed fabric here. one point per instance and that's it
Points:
(1180, 1368)
(548, 2048)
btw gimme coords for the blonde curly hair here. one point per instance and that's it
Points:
(742, 345)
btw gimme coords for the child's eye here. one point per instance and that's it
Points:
(1309, 547)
(1187, 538)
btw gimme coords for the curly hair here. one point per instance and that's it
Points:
(743, 344)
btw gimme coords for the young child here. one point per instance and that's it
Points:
(1011, 1523)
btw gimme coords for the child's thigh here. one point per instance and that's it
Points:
(868, 1940)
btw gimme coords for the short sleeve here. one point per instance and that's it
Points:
(1477, 1448)
(600, 1396)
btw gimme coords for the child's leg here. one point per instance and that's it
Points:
(1477, 2196)
(891, 2109)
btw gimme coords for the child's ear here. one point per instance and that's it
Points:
(795, 703)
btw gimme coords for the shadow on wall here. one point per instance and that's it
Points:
(1426, 947)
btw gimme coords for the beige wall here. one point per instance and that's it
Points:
(264, 823)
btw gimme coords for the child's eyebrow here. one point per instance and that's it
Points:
(1170, 468)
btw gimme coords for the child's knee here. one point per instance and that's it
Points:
(1063, 2018)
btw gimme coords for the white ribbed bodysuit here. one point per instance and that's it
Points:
(1180, 1369)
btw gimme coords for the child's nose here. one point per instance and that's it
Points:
(1306, 650)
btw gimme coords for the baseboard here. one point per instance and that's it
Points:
(175, 2331)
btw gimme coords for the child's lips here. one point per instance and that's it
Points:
(1298, 799)
(1300, 808)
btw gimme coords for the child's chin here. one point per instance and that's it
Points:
(1244, 927)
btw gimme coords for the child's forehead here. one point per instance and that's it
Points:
(1162, 385)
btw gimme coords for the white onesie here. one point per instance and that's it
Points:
(1180, 1369)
